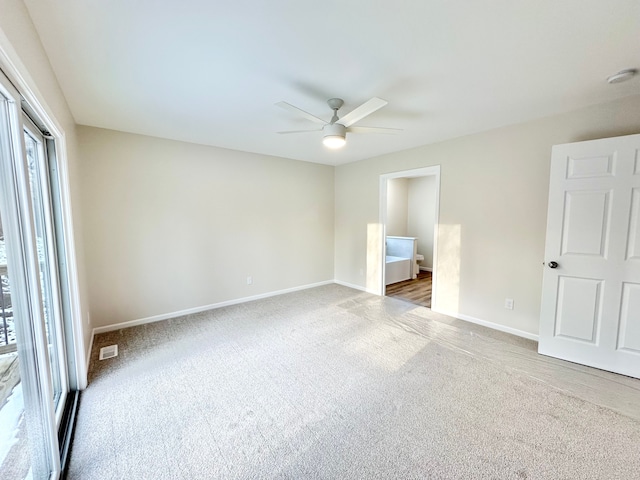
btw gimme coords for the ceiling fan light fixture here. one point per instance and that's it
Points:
(334, 141)
(335, 136)
(335, 132)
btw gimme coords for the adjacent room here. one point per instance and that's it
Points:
(410, 234)
(325, 240)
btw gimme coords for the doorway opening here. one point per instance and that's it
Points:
(409, 209)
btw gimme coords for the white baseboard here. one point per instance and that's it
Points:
(494, 326)
(351, 285)
(426, 269)
(189, 311)
(166, 316)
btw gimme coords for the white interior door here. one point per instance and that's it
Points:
(590, 311)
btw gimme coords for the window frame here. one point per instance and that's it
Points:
(50, 449)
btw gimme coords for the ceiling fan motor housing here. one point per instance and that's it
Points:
(334, 129)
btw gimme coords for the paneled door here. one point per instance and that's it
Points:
(590, 311)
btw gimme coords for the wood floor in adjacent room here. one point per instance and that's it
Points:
(416, 291)
(336, 383)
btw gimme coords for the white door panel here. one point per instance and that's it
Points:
(629, 338)
(633, 241)
(590, 311)
(579, 308)
(586, 220)
(590, 166)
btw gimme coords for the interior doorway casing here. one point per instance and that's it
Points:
(414, 173)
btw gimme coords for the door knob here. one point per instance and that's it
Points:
(553, 264)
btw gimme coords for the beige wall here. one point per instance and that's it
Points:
(21, 43)
(397, 206)
(421, 215)
(173, 226)
(493, 204)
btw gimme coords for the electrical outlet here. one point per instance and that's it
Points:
(508, 303)
(249, 280)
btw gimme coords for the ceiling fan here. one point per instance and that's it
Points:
(335, 131)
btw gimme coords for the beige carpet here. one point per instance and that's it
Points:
(333, 383)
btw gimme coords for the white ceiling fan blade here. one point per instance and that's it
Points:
(301, 131)
(307, 115)
(367, 108)
(373, 130)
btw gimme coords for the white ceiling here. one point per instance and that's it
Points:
(210, 71)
